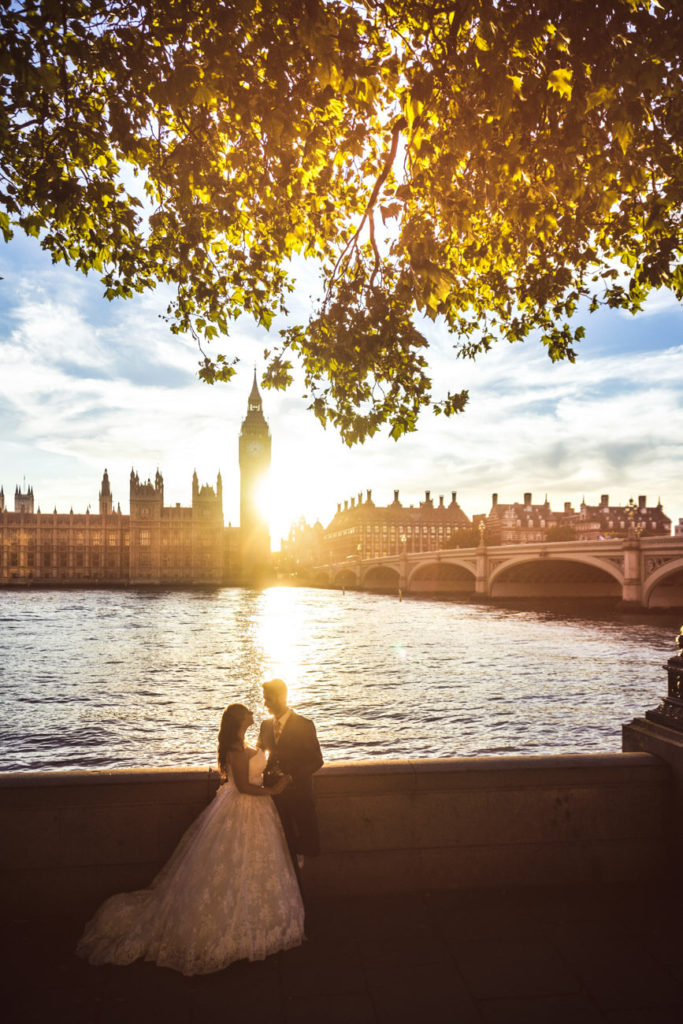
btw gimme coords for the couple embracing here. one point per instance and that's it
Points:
(231, 889)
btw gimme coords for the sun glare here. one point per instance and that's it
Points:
(264, 497)
(279, 634)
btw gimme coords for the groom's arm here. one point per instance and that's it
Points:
(310, 756)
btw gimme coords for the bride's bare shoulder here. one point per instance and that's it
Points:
(250, 751)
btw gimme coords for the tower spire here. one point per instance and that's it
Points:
(255, 402)
(105, 495)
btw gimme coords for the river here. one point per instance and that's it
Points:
(110, 679)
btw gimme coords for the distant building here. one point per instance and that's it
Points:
(172, 544)
(593, 522)
(155, 544)
(678, 528)
(524, 523)
(55, 548)
(303, 548)
(362, 529)
(519, 522)
(23, 502)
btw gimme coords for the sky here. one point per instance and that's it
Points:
(87, 384)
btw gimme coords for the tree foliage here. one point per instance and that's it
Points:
(490, 163)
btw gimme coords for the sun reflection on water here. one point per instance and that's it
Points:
(279, 633)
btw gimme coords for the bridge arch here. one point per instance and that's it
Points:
(442, 575)
(345, 577)
(668, 580)
(320, 578)
(383, 578)
(557, 575)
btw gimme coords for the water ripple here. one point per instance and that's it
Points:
(134, 679)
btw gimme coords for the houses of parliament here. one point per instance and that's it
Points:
(156, 544)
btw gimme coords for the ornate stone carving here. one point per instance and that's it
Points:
(655, 562)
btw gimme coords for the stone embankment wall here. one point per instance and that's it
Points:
(72, 838)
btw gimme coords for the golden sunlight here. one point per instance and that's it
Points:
(278, 632)
(293, 491)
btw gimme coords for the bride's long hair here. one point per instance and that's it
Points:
(233, 716)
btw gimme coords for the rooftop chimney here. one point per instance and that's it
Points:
(453, 497)
(346, 506)
(604, 500)
(527, 497)
(494, 500)
(642, 500)
(353, 502)
(369, 496)
(427, 498)
(395, 497)
(567, 506)
(441, 501)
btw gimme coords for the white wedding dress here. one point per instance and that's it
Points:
(227, 893)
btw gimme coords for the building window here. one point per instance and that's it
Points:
(96, 538)
(144, 538)
(112, 540)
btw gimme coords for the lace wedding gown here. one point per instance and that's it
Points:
(227, 893)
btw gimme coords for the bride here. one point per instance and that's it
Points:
(227, 893)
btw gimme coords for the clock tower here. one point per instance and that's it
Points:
(254, 449)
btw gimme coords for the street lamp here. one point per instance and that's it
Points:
(632, 512)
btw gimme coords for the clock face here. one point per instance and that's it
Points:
(254, 447)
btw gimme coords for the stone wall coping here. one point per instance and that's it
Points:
(349, 770)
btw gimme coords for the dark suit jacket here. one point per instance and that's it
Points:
(297, 753)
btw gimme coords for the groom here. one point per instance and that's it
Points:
(293, 749)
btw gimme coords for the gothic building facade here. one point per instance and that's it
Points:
(156, 544)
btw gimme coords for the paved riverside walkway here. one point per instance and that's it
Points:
(485, 956)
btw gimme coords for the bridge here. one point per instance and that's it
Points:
(638, 572)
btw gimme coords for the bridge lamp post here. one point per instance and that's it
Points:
(660, 732)
(402, 568)
(670, 709)
(632, 512)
